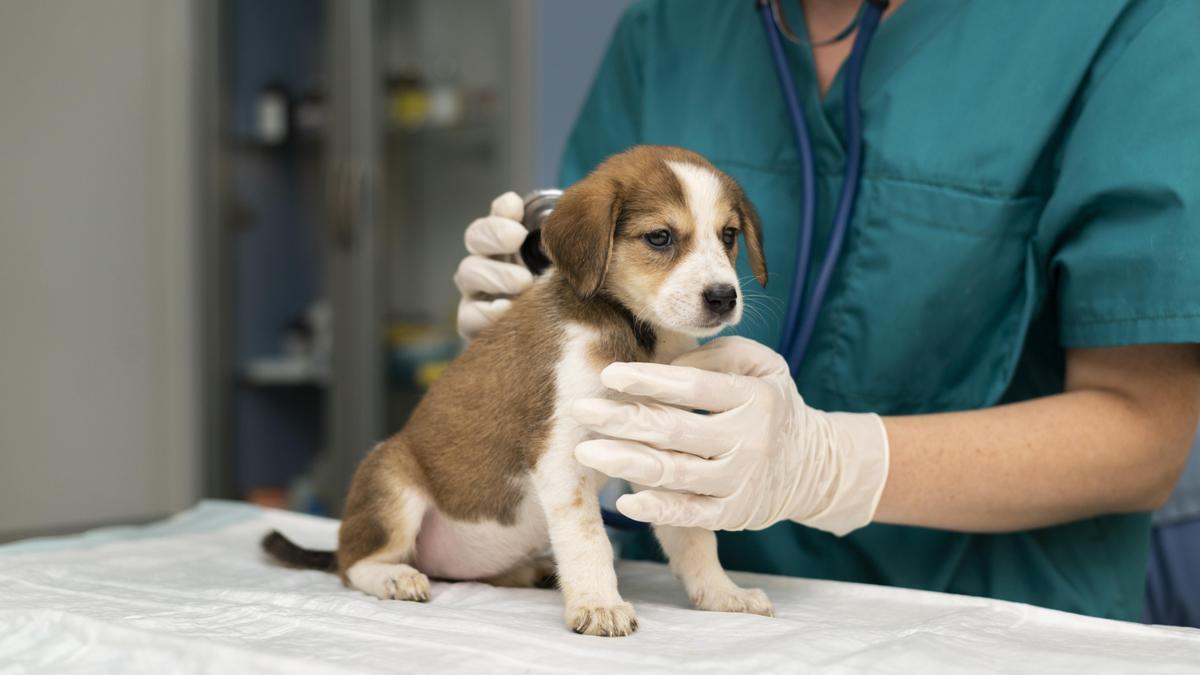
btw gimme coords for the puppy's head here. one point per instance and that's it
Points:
(657, 228)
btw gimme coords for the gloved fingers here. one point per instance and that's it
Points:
(477, 274)
(681, 385)
(661, 426)
(494, 235)
(733, 354)
(508, 205)
(672, 508)
(475, 315)
(644, 465)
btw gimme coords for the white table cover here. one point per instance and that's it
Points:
(194, 594)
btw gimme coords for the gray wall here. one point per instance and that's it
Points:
(570, 38)
(96, 328)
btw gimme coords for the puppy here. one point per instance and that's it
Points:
(484, 475)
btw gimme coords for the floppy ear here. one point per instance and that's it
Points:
(752, 231)
(578, 234)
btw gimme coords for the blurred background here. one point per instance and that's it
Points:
(228, 230)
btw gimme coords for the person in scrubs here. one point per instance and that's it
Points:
(1004, 379)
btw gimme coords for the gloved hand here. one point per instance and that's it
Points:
(761, 456)
(492, 273)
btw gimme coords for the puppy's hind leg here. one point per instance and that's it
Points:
(537, 572)
(379, 529)
(692, 553)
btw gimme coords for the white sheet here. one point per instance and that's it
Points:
(194, 595)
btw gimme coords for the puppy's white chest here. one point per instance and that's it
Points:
(576, 377)
(577, 374)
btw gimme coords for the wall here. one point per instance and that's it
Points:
(97, 332)
(570, 39)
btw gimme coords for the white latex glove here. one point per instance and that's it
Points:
(762, 456)
(493, 272)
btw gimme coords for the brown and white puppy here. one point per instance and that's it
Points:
(484, 475)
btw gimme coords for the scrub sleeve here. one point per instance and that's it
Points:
(1122, 226)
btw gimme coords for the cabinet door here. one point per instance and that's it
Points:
(431, 114)
(454, 79)
(352, 246)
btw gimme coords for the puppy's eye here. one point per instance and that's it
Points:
(729, 236)
(659, 238)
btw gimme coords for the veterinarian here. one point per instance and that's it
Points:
(1009, 336)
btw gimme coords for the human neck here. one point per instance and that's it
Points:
(824, 18)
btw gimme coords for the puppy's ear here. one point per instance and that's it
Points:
(752, 231)
(578, 234)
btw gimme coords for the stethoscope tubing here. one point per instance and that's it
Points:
(801, 316)
(803, 143)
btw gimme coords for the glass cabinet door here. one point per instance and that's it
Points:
(447, 78)
(430, 120)
(268, 358)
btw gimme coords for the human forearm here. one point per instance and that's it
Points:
(1114, 442)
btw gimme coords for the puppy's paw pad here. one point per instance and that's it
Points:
(412, 586)
(744, 600)
(612, 621)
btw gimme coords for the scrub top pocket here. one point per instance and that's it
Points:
(937, 288)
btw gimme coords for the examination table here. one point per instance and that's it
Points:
(194, 594)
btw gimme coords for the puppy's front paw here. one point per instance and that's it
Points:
(612, 621)
(745, 600)
(412, 586)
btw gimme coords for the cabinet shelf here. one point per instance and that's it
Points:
(307, 145)
(285, 371)
(466, 130)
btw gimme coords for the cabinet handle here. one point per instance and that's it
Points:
(342, 203)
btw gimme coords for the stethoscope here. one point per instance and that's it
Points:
(801, 316)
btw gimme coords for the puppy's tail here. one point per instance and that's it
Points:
(288, 553)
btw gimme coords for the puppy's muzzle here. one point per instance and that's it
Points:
(720, 299)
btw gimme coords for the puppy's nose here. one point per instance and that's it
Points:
(720, 299)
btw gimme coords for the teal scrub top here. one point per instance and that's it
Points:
(1031, 184)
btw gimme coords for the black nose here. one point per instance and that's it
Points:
(720, 299)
